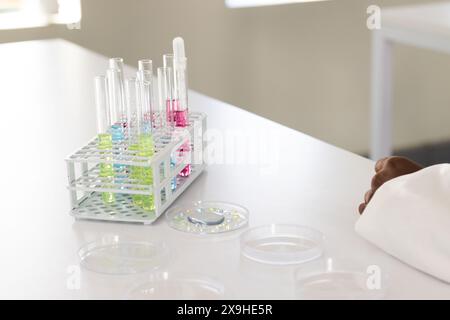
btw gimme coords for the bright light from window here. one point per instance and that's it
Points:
(18, 14)
(258, 3)
(69, 11)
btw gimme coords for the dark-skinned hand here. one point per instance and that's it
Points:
(385, 170)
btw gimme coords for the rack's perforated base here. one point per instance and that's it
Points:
(123, 210)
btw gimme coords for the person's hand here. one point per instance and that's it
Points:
(385, 170)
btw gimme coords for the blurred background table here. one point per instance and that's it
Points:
(424, 26)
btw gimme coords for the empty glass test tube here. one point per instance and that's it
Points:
(145, 78)
(133, 99)
(168, 65)
(165, 107)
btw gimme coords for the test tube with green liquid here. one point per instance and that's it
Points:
(104, 136)
(145, 143)
(133, 95)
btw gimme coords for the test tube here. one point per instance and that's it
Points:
(102, 109)
(168, 63)
(145, 73)
(180, 105)
(116, 100)
(145, 65)
(168, 60)
(165, 107)
(146, 93)
(180, 84)
(117, 64)
(181, 97)
(132, 95)
(165, 97)
(104, 136)
(145, 143)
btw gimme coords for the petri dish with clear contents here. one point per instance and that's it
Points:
(165, 286)
(339, 285)
(121, 257)
(282, 244)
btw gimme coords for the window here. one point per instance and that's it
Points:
(17, 14)
(257, 3)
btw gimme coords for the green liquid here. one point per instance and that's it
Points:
(135, 173)
(146, 148)
(106, 169)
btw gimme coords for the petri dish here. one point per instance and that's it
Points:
(338, 285)
(165, 287)
(119, 257)
(282, 244)
(206, 217)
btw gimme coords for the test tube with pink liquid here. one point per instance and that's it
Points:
(180, 103)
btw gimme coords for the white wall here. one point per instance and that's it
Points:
(304, 65)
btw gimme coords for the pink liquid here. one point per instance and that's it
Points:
(181, 118)
(185, 148)
(186, 171)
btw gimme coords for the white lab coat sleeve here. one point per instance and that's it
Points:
(409, 218)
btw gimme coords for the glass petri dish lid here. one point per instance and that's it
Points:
(339, 285)
(206, 217)
(282, 244)
(121, 257)
(168, 287)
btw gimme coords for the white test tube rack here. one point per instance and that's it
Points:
(86, 186)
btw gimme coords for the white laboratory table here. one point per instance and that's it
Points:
(47, 106)
(424, 26)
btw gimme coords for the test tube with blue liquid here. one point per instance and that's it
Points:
(116, 85)
(117, 105)
(105, 144)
